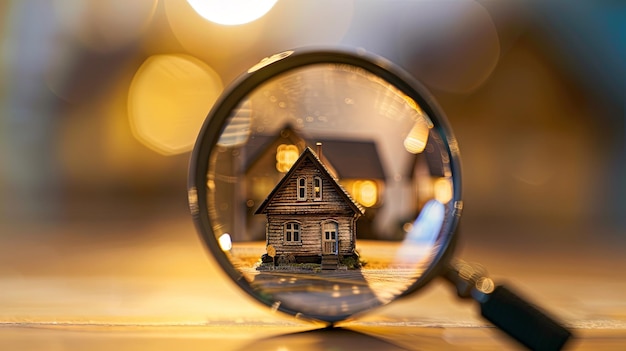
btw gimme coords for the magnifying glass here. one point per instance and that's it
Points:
(327, 182)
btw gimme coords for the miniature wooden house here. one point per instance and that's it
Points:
(268, 157)
(310, 217)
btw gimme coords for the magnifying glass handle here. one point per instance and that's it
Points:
(507, 310)
(522, 321)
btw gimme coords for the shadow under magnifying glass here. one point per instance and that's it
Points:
(343, 339)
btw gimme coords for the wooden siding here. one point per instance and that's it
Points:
(283, 206)
(310, 234)
(286, 200)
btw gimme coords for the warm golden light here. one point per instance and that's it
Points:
(225, 241)
(443, 190)
(365, 192)
(237, 129)
(286, 155)
(261, 186)
(415, 142)
(232, 12)
(269, 60)
(169, 98)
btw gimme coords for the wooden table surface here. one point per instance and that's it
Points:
(132, 285)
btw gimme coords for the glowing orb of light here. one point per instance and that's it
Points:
(225, 242)
(416, 141)
(232, 12)
(365, 192)
(443, 190)
(169, 98)
(449, 45)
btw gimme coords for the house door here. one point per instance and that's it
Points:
(329, 238)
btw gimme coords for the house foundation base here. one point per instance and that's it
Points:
(326, 261)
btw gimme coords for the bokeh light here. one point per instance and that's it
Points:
(168, 100)
(286, 156)
(232, 12)
(225, 242)
(231, 50)
(443, 189)
(365, 192)
(415, 142)
(449, 45)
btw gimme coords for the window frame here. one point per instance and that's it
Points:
(301, 189)
(293, 232)
(317, 194)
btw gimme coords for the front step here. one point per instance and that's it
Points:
(330, 262)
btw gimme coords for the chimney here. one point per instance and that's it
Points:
(319, 150)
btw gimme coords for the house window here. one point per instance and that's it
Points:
(302, 188)
(292, 232)
(317, 188)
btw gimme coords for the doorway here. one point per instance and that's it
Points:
(329, 238)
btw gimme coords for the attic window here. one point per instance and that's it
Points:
(292, 232)
(317, 188)
(301, 188)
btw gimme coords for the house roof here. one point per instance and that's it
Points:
(309, 154)
(353, 159)
(350, 159)
(258, 144)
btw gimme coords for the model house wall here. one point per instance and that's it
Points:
(309, 214)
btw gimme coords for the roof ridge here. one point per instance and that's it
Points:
(308, 152)
(335, 179)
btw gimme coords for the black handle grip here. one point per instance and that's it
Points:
(522, 321)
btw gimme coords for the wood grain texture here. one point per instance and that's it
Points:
(310, 212)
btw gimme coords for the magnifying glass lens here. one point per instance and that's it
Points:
(325, 184)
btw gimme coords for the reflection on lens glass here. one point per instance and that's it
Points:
(329, 190)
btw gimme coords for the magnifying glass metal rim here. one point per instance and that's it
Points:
(285, 62)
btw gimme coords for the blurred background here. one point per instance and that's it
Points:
(101, 102)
